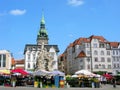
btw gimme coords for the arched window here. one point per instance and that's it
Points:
(102, 52)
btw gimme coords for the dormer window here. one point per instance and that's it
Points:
(95, 40)
(102, 45)
(34, 48)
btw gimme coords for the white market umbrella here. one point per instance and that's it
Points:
(74, 76)
(57, 72)
(41, 72)
(84, 72)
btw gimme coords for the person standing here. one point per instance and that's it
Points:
(13, 81)
(114, 82)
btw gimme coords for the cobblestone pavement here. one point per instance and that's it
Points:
(104, 87)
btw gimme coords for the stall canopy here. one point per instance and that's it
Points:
(74, 76)
(84, 72)
(108, 76)
(57, 72)
(41, 72)
(4, 71)
(23, 72)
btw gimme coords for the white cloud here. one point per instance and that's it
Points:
(75, 2)
(17, 12)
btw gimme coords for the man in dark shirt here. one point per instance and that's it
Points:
(114, 82)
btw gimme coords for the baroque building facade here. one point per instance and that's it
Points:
(32, 51)
(94, 53)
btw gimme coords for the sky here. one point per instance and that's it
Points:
(66, 21)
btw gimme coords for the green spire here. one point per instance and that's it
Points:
(42, 32)
(42, 20)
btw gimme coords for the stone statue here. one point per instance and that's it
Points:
(44, 60)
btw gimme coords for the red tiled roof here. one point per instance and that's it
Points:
(100, 38)
(114, 44)
(19, 67)
(20, 61)
(87, 40)
(70, 45)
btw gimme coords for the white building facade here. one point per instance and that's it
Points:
(5, 60)
(115, 47)
(31, 50)
(93, 53)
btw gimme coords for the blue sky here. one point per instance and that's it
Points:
(66, 20)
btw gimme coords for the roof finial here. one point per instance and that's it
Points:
(42, 20)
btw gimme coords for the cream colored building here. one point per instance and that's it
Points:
(5, 59)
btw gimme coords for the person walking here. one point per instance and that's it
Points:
(114, 82)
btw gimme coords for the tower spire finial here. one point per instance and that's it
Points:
(42, 20)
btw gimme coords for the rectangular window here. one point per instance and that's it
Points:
(113, 58)
(118, 65)
(73, 49)
(0, 63)
(103, 66)
(96, 59)
(0, 59)
(96, 66)
(88, 45)
(117, 59)
(95, 45)
(88, 52)
(102, 46)
(114, 65)
(108, 59)
(102, 59)
(33, 57)
(28, 56)
(109, 66)
(95, 40)
(108, 52)
(116, 52)
(4, 60)
(113, 52)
